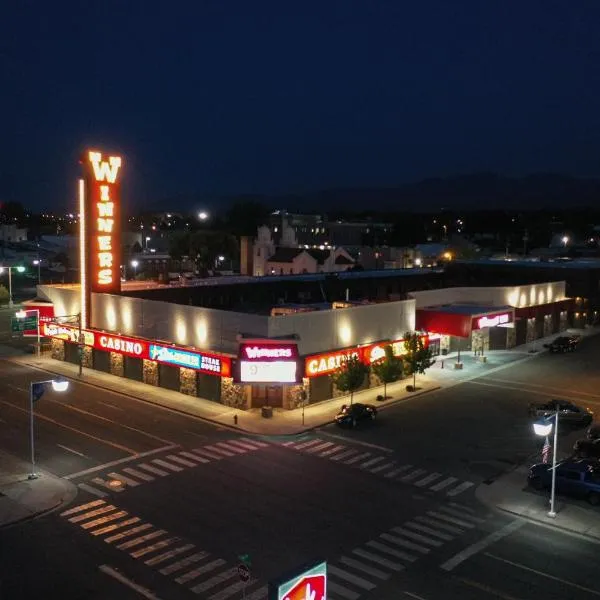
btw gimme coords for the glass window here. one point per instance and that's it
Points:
(570, 475)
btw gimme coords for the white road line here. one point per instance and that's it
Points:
(119, 477)
(146, 593)
(141, 539)
(153, 548)
(358, 442)
(332, 450)
(231, 447)
(82, 507)
(182, 461)
(106, 484)
(461, 507)
(440, 525)
(443, 517)
(199, 570)
(166, 465)
(395, 552)
(120, 461)
(355, 459)
(109, 405)
(443, 484)
(204, 452)
(152, 469)
(257, 442)
(459, 489)
(184, 562)
(102, 520)
(92, 513)
(547, 575)
(245, 445)
(392, 539)
(356, 564)
(124, 534)
(336, 588)
(412, 475)
(442, 536)
(343, 454)
(414, 596)
(382, 468)
(481, 544)
(194, 457)
(92, 490)
(72, 451)
(138, 474)
(319, 447)
(457, 513)
(376, 558)
(370, 462)
(355, 579)
(417, 536)
(308, 444)
(156, 560)
(219, 451)
(202, 436)
(398, 470)
(220, 578)
(423, 482)
(231, 589)
(120, 525)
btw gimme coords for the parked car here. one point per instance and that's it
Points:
(569, 413)
(564, 343)
(578, 478)
(351, 415)
(593, 433)
(587, 448)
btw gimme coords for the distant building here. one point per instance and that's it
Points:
(11, 233)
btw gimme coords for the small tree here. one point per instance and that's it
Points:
(388, 369)
(350, 376)
(3, 295)
(418, 356)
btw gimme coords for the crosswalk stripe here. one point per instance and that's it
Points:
(398, 470)
(115, 526)
(141, 539)
(382, 468)
(113, 516)
(443, 517)
(106, 484)
(260, 594)
(423, 482)
(308, 444)
(257, 442)
(343, 455)
(92, 513)
(184, 562)
(355, 579)
(412, 475)
(373, 461)
(204, 452)
(457, 513)
(378, 559)
(290, 443)
(231, 589)
(152, 469)
(392, 551)
(138, 474)
(220, 578)
(232, 447)
(194, 457)
(124, 478)
(459, 489)
(462, 507)
(341, 590)
(319, 447)
(153, 547)
(355, 459)
(124, 534)
(92, 490)
(356, 564)
(333, 450)
(182, 461)
(219, 451)
(199, 570)
(443, 484)
(417, 536)
(156, 560)
(166, 465)
(244, 445)
(439, 525)
(430, 531)
(392, 539)
(82, 507)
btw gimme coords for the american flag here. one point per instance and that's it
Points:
(546, 451)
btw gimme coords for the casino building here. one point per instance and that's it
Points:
(251, 342)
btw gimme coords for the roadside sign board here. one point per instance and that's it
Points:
(25, 324)
(243, 572)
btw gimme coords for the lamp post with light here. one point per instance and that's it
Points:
(203, 215)
(36, 391)
(134, 264)
(19, 270)
(544, 428)
(38, 263)
(565, 240)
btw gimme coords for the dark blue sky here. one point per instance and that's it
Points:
(225, 96)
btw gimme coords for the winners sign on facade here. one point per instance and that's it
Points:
(308, 583)
(100, 227)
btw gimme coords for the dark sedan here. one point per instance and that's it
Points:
(587, 448)
(353, 414)
(564, 343)
(569, 413)
(580, 478)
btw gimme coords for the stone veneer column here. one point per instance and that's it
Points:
(234, 394)
(87, 357)
(292, 395)
(150, 372)
(188, 381)
(117, 364)
(58, 349)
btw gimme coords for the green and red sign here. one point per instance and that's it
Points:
(309, 584)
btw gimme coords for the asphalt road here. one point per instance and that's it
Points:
(171, 501)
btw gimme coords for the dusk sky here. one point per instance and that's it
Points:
(209, 97)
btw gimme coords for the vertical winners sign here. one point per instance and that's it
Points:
(100, 228)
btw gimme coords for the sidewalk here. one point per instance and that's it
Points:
(22, 499)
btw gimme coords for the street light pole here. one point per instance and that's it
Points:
(552, 512)
(10, 299)
(33, 474)
(80, 348)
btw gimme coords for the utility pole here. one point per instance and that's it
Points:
(80, 348)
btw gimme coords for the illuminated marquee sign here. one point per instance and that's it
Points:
(122, 345)
(266, 361)
(492, 321)
(68, 333)
(323, 364)
(310, 584)
(183, 358)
